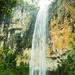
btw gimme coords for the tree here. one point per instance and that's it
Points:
(7, 5)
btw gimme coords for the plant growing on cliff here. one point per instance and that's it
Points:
(69, 63)
(7, 5)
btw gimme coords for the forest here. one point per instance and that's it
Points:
(37, 37)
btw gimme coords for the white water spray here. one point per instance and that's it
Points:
(39, 43)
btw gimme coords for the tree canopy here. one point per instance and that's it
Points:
(7, 5)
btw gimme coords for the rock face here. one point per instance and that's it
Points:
(62, 27)
(20, 30)
(61, 31)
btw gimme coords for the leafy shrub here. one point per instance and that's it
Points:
(8, 64)
(69, 63)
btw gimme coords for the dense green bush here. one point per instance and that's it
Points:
(69, 63)
(8, 64)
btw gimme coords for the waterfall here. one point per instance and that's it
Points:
(37, 64)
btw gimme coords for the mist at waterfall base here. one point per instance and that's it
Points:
(37, 64)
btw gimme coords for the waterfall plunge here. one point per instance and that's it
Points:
(39, 43)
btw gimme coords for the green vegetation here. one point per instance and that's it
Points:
(69, 63)
(7, 5)
(8, 64)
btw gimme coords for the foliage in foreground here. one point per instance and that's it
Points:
(69, 63)
(8, 64)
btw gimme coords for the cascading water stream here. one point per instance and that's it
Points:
(39, 43)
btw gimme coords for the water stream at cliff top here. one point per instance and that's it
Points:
(37, 64)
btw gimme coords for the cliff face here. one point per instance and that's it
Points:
(61, 32)
(20, 29)
(62, 28)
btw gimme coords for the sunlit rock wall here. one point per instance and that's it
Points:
(22, 27)
(61, 32)
(62, 27)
